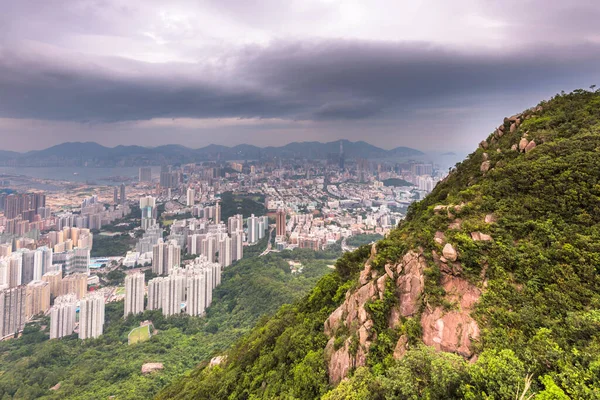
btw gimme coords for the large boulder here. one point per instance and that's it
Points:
(151, 367)
(485, 166)
(449, 252)
(530, 146)
(523, 144)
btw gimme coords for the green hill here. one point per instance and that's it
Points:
(488, 290)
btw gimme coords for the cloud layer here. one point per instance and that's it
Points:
(326, 69)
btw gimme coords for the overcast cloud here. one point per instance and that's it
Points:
(434, 75)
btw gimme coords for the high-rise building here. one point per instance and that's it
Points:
(145, 174)
(171, 291)
(235, 223)
(280, 222)
(154, 293)
(37, 298)
(252, 223)
(116, 195)
(76, 284)
(191, 193)
(225, 251)
(54, 279)
(209, 247)
(237, 245)
(165, 256)
(123, 196)
(148, 210)
(217, 217)
(134, 293)
(5, 250)
(62, 316)
(12, 311)
(91, 316)
(15, 270)
(80, 261)
(196, 295)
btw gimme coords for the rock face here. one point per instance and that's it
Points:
(453, 331)
(218, 360)
(439, 238)
(530, 146)
(449, 252)
(450, 331)
(485, 166)
(354, 318)
(523, 144)
(151, 367)
(478, 236)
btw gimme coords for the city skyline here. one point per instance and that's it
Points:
(437, 77)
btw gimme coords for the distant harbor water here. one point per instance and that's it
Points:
(100, 176)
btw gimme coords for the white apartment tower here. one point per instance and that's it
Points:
(91, 316)
(134, 293)
(165, 256)
(62, 316)
(191, 194)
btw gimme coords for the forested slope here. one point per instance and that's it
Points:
(489, 289)
(108, 366)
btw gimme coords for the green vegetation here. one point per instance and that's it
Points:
(539, 313)
(107, 366)
(397, 182)
(361, 240)
(109, 246)
(237, 203)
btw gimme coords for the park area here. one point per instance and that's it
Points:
(139, 334)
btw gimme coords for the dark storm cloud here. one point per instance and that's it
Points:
(326, 79)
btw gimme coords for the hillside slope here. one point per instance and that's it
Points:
(488, 290)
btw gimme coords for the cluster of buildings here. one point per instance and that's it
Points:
(186, 289)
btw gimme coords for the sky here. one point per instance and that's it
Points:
(435, 75)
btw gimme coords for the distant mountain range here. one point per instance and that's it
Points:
(94, 154)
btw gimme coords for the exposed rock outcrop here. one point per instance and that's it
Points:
(439, 238)
(478, 236)
(151, 367)
(485, 166)
(453, 331)
(530, 146)
(523, 144)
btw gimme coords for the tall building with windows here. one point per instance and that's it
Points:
(76, 284)
(196, 295)
(172, 290)
(191, 193)
(37, 298)
(115, 195)
(148, 210)
(134, 293)
(165, 256)
(154, 293)
(12, 311)
(79, 262)
(217, 217)
(252, 223)
(237, 245)
(54, 279)
(225, 251)
(123, 196)
(145, 174)
(280, 222)
(91, 316)
(62, 316)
